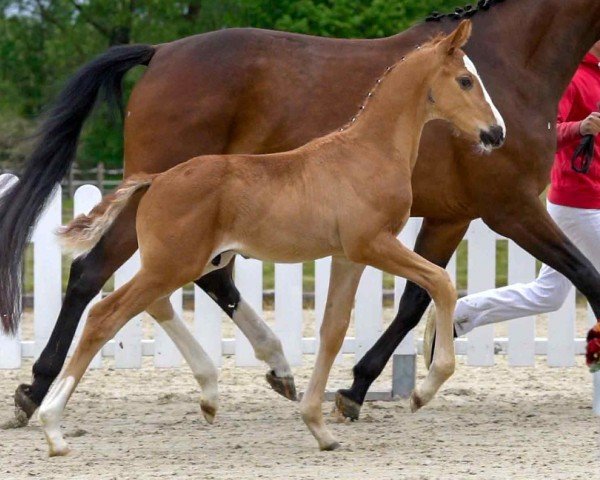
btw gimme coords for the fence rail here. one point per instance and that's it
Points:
(78, 177)
(521, 344)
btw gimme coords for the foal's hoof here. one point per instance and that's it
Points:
(284, 386)
(416, 402)
(346, 406)
(330, 447)
(209, 411)
(24, 409)
(60, 450)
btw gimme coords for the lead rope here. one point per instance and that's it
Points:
(583, 157)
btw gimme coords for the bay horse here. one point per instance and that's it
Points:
(256, 91)
(347, 194)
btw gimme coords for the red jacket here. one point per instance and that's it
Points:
(569, 188)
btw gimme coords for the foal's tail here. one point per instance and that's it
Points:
(85, 231)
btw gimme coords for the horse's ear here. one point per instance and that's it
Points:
(458, 38)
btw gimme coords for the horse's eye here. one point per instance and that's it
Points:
(465, 83)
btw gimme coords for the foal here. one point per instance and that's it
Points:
(347, 194)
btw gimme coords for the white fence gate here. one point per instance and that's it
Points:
(521, 344)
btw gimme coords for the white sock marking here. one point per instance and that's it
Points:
(200, 363)
(51, 411)
(267, 346)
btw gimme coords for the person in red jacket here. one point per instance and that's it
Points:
(573, 202)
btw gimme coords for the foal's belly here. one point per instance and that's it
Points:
(301, 242)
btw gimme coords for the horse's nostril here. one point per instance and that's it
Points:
(497, 133)
(494, 136)
(486, 137)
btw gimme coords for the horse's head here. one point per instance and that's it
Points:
(457, 93)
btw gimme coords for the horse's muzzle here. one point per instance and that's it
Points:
(494, 137)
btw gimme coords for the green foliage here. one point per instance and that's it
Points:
(341, 18)
(42, 42)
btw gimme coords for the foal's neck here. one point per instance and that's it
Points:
(396, 112)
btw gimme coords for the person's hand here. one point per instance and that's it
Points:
(591, 125)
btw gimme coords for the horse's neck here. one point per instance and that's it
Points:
(538, 41)
(537, 45)
(395, 114)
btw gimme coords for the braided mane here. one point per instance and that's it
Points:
(463, 12)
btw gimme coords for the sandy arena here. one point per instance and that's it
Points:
(487, 423)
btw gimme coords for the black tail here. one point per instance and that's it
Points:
(51, 159)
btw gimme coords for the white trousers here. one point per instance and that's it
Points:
(545, 294)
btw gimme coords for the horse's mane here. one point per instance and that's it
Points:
(463, 12)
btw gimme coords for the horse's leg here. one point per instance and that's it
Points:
(388, 254)
(220, 286)
(105, 319)
(87, 276)
(204, 370)
(532, 227)
(436, 242)
(343, 283)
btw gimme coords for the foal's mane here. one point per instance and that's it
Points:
(461, 13)
(430, 43)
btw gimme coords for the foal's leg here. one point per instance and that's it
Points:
(219, 285)
(87, 276)
(389, 255)
(104, 321)
(436, 242)
(343, 283)
(204, 370)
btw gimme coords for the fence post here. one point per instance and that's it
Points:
(166, 354)
(322, 275)
(71, 184)
(100, 177)
(288, 310)
(249, 279)
(10, 347)
(482, 276)
(596, 382)
(404, 361)
(85, 198)
(596, 377)
(128, 341)
(47, 272)
(521, 331)
(368, 311)
(561, 334)
(207, 325)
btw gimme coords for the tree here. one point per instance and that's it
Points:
(42, 42)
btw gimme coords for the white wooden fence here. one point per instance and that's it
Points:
(521, 345)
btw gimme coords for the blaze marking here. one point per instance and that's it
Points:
(470, 66)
